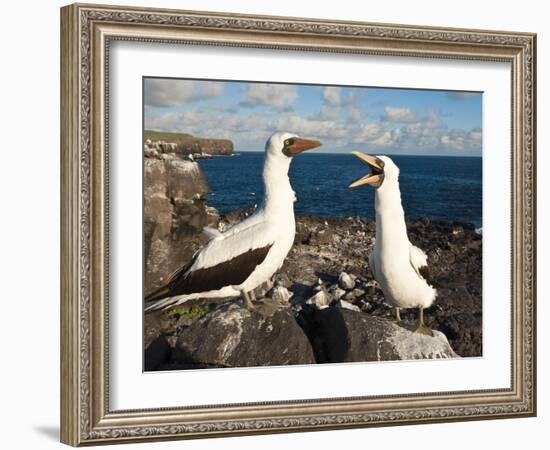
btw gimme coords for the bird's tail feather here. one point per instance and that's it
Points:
(168, 302)
(161, 292)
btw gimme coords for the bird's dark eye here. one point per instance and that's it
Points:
(381, 163)
(288, 142)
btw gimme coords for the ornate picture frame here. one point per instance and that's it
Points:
(87, 31)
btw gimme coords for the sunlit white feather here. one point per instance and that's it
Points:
(394, 261)
(272, 224)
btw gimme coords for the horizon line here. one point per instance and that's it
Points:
(378, 153)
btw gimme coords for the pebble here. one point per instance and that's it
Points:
(347, 305)
(366, 307)
(356, 293)
(345, 281)
(150, 152)
(321, 300)
(281, 294)
(336, 292)
(282, 279)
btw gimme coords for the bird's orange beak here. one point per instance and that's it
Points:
(300, 145)
(376, 177)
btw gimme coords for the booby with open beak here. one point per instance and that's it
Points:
(399, 267)
(246, 255)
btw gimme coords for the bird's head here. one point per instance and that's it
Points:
(383, 170)
(286, 145)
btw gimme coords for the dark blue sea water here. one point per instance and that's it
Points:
(437, 187)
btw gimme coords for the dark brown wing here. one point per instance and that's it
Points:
(419, 262)
(228, 273)
(424, 272)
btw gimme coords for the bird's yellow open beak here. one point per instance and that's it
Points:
(300, 145)
(376, 177)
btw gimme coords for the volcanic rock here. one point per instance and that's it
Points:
(341, 335)
(174, 215)
(231, 336)
(156, 353)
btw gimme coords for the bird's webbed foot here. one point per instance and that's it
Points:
(262, 308)
(422, 327)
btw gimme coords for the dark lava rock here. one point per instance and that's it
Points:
(322, 236)
(157, 353)
(231, 336)
(454, 259)
(340, 335)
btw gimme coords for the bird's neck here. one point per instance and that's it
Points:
(391, 230)
(278, 193)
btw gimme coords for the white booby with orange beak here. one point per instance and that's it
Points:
(399, 267)
(237, 261)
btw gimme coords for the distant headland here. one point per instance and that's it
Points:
(186, 144)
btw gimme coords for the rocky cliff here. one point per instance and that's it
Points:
(186, 144)
(174, 214)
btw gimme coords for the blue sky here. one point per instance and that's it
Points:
(374, 120)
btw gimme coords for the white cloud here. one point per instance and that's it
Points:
(372, 133)
(328, 113)
(401, 115)
(307, 127)
(278, 96)
(356, 114)
(418, 133)
(332, 96)
(426, 134)
(212, 89)
(476, 135)
(250, 131)
(462, 140)
(168, 93)
(337, 106)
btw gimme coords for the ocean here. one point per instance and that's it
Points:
(437, 187)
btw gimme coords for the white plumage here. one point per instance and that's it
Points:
(397, 265)
(250, 252)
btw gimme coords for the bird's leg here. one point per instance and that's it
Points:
(252, 295)
(396, 315)
(397, 312)
(422, 328)
(247, 301)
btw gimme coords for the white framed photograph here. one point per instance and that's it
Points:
(257, 202)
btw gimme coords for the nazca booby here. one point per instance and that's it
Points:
(235, 262)
(399, 267)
